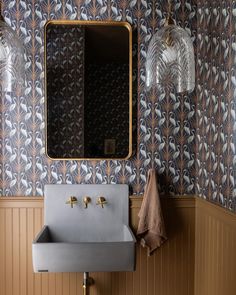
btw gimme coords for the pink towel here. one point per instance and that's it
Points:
(151, 226)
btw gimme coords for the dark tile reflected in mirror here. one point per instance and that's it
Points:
(88, 90)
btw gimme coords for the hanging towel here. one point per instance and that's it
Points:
(151, 228)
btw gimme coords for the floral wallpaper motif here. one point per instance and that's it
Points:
(166, 124)
(65, 103)
(216, 104)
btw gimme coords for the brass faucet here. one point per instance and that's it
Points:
(72, 200)
(86, 200)
(101, 201)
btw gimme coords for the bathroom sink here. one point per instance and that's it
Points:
(79, 255)
(83, 239)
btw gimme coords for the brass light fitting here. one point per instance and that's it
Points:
(168, 22)
(169, 19)
(101, 201)
(72, 200)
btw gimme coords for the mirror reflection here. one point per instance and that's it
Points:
(88, 86)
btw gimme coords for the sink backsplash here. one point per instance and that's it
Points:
(106, 221)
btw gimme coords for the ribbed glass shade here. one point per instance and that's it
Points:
(170, 61)
(11, 58)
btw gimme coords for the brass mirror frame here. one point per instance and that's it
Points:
(91, 23)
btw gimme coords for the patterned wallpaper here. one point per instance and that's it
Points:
(166, 124)
(65, 83)
(216, 104)
(191, 152)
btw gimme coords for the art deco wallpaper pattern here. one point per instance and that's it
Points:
(216, 102)
(166, 129)
(167, 125)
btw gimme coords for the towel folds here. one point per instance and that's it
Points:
(151, 227)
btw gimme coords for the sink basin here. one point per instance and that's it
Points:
(85, 240)
(78, 255)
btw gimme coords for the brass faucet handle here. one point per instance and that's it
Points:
(72, 200)
(101, 201)
(86, 201)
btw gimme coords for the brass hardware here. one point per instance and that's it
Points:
(169, 22)
(72, 200)
(87, 282)
(101, 201)
(86, 200)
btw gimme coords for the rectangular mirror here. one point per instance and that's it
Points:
(88, 78)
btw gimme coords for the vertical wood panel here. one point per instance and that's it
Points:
(150, 276)
(107, 283)
(37, 227)
(15, 251)
(2, 252)
(143, 270)
(30, 235)
(65, 284)
(9, 252)
(58, 283)
(129, 283)
(215, 265)
(136, 276)
(23, 253)
(73, 284)
(52, 284)
(169, 271)
(45, 286)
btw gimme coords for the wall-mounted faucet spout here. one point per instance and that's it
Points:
(86, 201)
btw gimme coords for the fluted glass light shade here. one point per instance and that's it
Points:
(170, 61)
(11, 58)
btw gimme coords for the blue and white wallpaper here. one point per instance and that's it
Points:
(189, 139)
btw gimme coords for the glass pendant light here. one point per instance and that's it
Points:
(170, 61)
(11, 58)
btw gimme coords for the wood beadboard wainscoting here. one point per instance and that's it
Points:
(170, 271)
(215, 250)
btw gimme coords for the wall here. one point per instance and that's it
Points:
(166, 125)
(215, 254)
(216, 103)
(170, 271)
(198, 258)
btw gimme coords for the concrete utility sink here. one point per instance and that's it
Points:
(83, 239)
